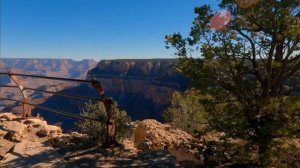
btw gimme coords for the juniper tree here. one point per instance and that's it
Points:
(250, 67)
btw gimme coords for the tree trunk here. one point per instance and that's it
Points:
(110, 123)
(264, 144)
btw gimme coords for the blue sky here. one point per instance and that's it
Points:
(96, 29)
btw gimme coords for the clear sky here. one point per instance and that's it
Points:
(96, 29)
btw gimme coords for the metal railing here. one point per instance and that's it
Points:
(27, 104)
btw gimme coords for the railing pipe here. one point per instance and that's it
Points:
(64, 94)
(53, 110)
(46, 77)
(9, 86)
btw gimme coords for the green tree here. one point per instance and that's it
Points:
(187, 113)
(247, 67)
(97, 130)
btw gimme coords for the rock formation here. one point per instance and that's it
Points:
(20, 140)
(153, 135)
(31, 142)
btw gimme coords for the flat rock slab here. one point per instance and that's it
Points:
(120, 157)
(16, 127)
(5, 146)
(2, 132)
(31, 154)
(41, 160)
(29, 148)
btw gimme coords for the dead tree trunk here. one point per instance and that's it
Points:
(110, 122)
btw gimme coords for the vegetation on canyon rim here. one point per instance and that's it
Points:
(187, 113)
(249, 69)
(97, 130)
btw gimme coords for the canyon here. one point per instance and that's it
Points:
(67, 68)
(142, 87)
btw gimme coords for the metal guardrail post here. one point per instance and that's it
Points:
(26, 107)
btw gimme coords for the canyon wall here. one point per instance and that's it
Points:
(141, 87)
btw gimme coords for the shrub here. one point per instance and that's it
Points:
(187, 113)
(97, 130)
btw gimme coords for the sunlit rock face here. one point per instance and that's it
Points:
(152, 135)
(31, 142)
(20, 139)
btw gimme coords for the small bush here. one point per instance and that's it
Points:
(187, 113)
(97, 130)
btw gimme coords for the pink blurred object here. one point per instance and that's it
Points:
(220, 20)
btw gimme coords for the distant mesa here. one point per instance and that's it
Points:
(49, 67)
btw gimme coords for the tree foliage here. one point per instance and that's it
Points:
(187, 113)
(251, 68)
(97, 130)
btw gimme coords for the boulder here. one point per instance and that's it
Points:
(42, 132)
(5, 147)
(53, 129)
(48, 130)
(60, 140)
(36, 122)
(2, 133)
(13, 136)
(16, 130)
(9, 157)
(153, 135)
(15, 126)
(8, 116)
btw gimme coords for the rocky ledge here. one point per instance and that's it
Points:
(31, 142)
(25, 141)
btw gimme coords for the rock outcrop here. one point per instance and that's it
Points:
(7, 116)
(56, 149)
(19, 139)
(152, 135)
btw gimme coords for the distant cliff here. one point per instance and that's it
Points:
(46, 67)
(142, 87)
(49, 67)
